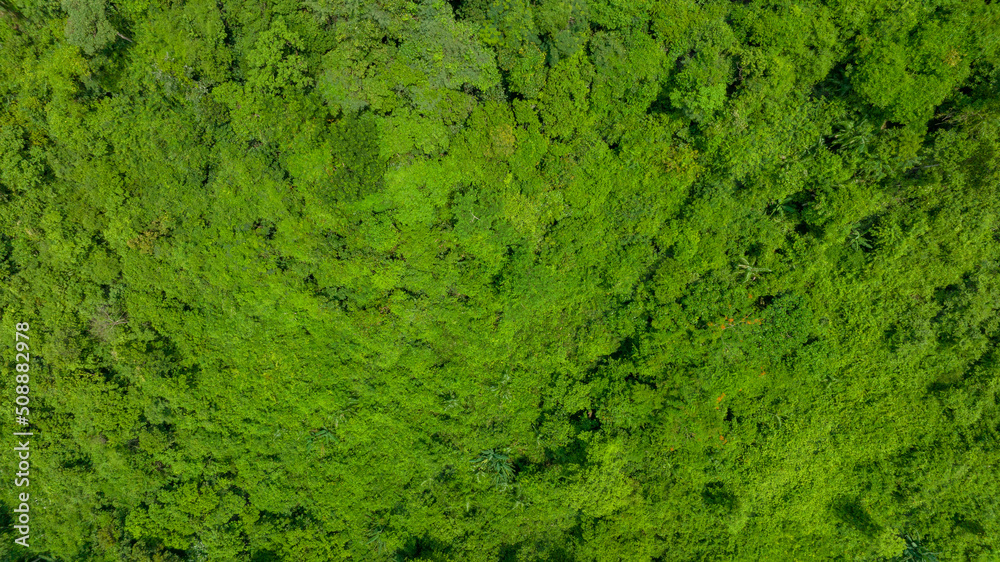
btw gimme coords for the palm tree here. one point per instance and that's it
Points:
(751, 269)
(853, 136)
(916, 552)
(497, 464)
(857, 239)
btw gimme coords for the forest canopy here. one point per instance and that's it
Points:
(502, 280)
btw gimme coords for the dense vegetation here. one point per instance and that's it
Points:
(585, 280)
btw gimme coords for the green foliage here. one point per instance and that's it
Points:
(496, 464)
(751, 269)
(18, 173)
(916, 552)
(701, 86)
(721, 277)
(87, 25)
(910, 65)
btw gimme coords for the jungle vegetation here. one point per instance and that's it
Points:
(503, 280)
